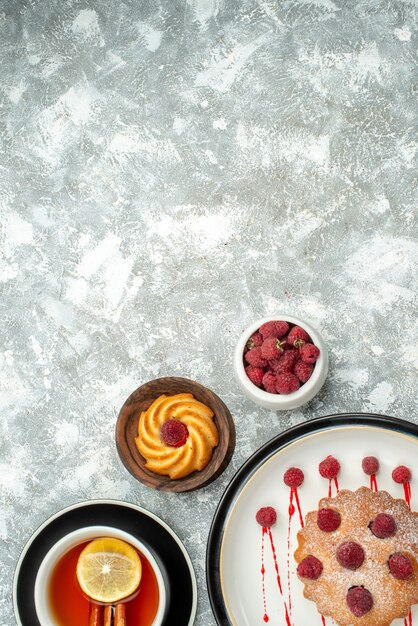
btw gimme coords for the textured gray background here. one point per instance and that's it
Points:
(170, 171)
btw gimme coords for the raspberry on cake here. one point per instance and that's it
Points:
(310, 567)
(366, 543)
(383, 526)
(359, 601)
(400, 566)
(328, 520)
(350, 555)
(174, 433)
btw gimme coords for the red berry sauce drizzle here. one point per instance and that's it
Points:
(263, 572)
(373, 483)
(266, 517)
(408, 620)
(407, 492)
(276, 566)
(370, 466)
(293, 478)
(329, 468)
(402, 475)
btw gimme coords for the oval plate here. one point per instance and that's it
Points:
(147, 527)
(233, 559)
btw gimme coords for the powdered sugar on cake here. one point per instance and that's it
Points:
(392, 598)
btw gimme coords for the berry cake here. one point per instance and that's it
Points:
(358, 558)
(176, 435)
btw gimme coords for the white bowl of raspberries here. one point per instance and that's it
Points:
(281, 362)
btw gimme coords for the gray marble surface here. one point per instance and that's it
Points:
(171, 171)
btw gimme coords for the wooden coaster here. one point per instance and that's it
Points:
(127, 430)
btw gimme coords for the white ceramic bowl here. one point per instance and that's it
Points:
(43, 609)
(282, 402)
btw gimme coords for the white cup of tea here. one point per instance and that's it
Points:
(43, 606)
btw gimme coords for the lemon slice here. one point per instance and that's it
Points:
(108, 570)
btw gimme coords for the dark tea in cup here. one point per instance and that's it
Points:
(60, 600)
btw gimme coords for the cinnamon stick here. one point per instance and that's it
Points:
(107, 618)
(120, 616)
(96, 612)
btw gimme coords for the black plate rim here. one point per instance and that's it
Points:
(250, 466)
(104, 501)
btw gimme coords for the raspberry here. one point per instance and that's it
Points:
(350, 555)
(286, 362)
(297, 337)
(255, 374)
(310, 567)
(174, 433)
(383, 526)
(359, 601)
(274, 329)
(370, 465)
(268, 329)
(309, 353)
(266, 516)
(287, 383)
(293, 477)
(303, 371)
(328, 520)
(254, 341)
(282, 328)
(287, 346)
(254, 357)
(271, 348)
(274, 364)
(329, 467)
(401, 474)
(400, 566)
(270, 382)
